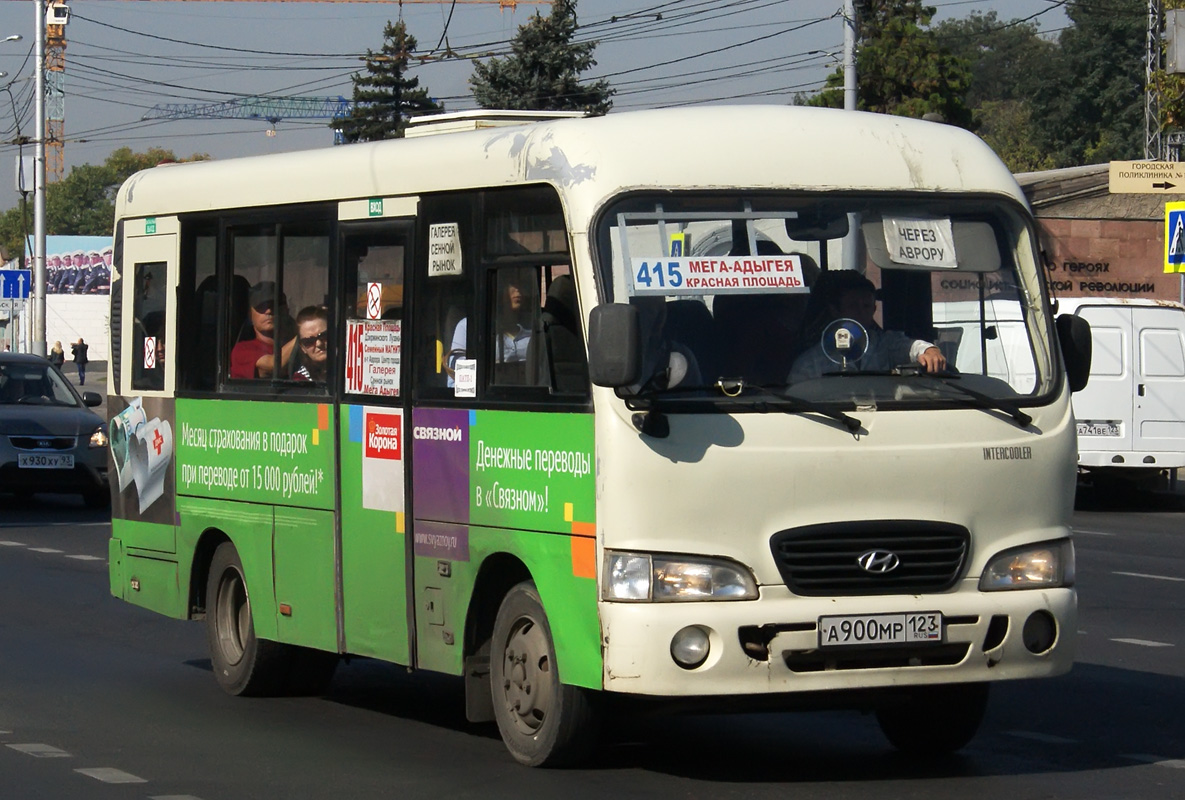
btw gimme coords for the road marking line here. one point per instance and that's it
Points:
(52, 524)
(87, 558)
(39, 750)
(110, 775)
(1142, 642)
(1094, 533)
(173, 797)
(12, 544)
(1041, 737)
(43, 550)
(1160, 761)
(1153, 577)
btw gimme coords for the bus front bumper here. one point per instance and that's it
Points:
(771, 645)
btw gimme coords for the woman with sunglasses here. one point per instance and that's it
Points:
(312, 340)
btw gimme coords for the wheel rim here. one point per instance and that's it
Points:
(232, 616)
(528, 679)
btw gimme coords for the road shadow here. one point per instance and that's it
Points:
(1095, 718)
(1128, 498)
(48, 508)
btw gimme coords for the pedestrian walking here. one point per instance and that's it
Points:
(79, 350)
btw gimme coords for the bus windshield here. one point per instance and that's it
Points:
(853, 300)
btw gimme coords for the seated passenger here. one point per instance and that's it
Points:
(311, 362)
(253, 356)
(513, 319)
(852, 296)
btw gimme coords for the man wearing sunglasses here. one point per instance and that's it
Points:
(254, 357)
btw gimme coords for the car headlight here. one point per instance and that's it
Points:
(1034, 566)
(99, 437)
(642, 577)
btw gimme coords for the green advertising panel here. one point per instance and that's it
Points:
(279, 453)
(531, 471)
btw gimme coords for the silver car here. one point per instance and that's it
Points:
(50, 440)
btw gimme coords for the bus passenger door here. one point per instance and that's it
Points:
(374, 565)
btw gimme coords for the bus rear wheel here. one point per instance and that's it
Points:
(935, 720)
(542, 721)
(243, 664)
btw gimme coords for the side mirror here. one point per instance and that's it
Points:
(91, 399)
(1073, 334)
(614, 352)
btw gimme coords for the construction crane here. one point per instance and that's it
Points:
(272, 109)
(55, 66)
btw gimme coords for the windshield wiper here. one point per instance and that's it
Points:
(985, 401)
(765, 400)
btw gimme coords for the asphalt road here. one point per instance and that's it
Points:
(99, 699)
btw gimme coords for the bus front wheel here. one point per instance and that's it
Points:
(935, 720)
(542, 721)
(243, 664)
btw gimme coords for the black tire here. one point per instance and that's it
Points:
(543, 722)
(935, 720)
(243, 664)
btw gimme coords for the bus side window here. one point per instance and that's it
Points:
(513, 318)
(556, 358)
(148, 338)
(375, 256)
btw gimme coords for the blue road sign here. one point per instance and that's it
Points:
(15, 284)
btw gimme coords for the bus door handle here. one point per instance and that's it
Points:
(1140, 389)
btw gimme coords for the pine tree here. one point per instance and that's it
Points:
(384, 98)
(543, 70)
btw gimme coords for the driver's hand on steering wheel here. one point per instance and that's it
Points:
(932, 360)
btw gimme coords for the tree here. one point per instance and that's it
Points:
(1007, 126)
(1008, 63)
(385, 97)
(901, 67)
(543, 70)
(82, 203)
(1090, 103)
(1007, 60)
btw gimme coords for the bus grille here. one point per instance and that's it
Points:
(824, 560)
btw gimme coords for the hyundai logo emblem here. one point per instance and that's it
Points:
(878, 561)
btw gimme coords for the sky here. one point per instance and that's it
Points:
(128, 59)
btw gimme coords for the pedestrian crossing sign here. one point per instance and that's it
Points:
(1174, 237)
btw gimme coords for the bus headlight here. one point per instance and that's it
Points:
(99, 437)
(641, 577)
(1034, 566)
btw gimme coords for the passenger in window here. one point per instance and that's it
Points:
(513, 318)
(850, 295)
(311, 362)
(253, 356)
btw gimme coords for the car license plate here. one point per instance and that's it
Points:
(1099, 429)
(45, 461)
(867, 629)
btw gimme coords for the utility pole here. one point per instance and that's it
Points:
(853, 251)
(849, 55)
(38, 347)
(1153, 144)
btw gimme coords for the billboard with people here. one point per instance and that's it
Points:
(78, 265)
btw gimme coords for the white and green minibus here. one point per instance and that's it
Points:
(577, 409)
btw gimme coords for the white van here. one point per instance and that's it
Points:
(1131, 415)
